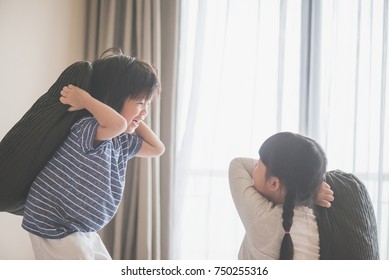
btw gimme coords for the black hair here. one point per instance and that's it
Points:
(117, 77)
(300, 164)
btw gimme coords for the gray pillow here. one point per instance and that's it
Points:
(348, 229)
(36, 136)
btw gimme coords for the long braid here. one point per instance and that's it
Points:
(287, 249)
(299, 163)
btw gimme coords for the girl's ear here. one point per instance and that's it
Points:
(275, 190)
(274, 184)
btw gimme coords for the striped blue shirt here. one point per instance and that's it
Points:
(80, 188)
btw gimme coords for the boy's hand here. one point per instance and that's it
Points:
(75, 97)
(152, 146)
(325, 195)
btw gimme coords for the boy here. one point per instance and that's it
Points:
(79, 190)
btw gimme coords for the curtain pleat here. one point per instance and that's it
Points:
(281, 61)
(383, 125)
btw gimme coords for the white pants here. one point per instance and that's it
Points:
(76, 246)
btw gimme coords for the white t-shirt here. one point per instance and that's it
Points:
(262, 219)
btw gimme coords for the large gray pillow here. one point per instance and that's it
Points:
(36, 136)
(348, 229)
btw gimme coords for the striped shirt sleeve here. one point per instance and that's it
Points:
(86, 131)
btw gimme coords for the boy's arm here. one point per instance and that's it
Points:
(152, 145)
(111, 123)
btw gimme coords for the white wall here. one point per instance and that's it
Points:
(39, 39)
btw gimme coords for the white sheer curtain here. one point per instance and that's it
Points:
(234, 91)
(349, 78)
(248, 69)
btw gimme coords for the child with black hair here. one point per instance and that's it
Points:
(274, 197)
(79, 190)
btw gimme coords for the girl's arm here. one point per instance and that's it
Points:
(152, 146)
(250, 204)
(111, 123)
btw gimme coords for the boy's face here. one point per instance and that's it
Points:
(135, 111)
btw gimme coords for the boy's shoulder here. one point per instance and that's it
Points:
(84, 121)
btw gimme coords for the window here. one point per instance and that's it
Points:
(251, 68)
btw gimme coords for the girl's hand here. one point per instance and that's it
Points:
(324, 196)
(75, 97)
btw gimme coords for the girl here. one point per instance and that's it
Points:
(273, 197)
(79, 190)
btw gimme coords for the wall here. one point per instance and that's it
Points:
(39, 39)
